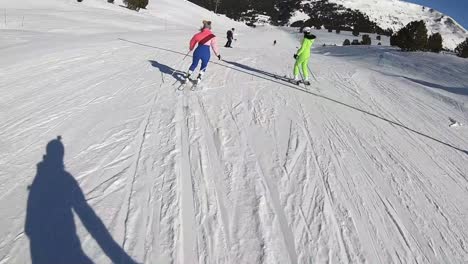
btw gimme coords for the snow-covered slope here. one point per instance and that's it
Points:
(92, 15)
(395, 14)
(361, 167)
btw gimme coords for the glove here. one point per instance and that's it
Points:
(295, 56)
(219, 57)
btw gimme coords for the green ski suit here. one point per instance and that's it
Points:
(303, 56)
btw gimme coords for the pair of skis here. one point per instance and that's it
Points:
(181, 87)
(297, 82)
(183, 83)
(292, 81)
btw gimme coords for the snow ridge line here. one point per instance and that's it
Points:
(215, 165)
(363, 233)
(288, 236)
(154, 204)
(325, 187)
(186, 210)
(272, 190)
(154, 218)
(143, 128)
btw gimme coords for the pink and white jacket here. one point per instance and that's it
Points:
(202, 35)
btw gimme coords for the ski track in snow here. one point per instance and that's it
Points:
(360, 167)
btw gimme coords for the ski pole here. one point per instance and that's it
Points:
(313, 76)
(303, 79)
(186, 55)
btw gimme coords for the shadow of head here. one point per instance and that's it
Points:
(55, 151)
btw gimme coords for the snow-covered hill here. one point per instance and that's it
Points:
(364, 166)
(395, 14)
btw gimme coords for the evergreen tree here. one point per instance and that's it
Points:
(412, 37)
(346, 42)
(462, 49)
(136, 4)
(296, 24)
(394, 40)
(434, 43)
(321, 12)
(355, 31)
(282, 10)
(366, 40)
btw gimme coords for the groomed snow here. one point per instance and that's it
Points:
(361, 167)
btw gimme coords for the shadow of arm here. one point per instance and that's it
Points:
(98, 230)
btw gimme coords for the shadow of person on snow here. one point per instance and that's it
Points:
(53, 197)
(268, 74)
(164, 69)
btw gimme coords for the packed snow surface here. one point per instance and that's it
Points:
(360, 167)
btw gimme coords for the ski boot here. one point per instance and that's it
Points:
(296, 80)
(197, 82)
(186, 78)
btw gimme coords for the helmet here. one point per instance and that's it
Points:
(306, 30)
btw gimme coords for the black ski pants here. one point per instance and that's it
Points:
(228, 43)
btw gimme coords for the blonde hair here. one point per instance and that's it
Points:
(206, 24)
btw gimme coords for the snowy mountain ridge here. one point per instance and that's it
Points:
(395, 14)
(371, 16)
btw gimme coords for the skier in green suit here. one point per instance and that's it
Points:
(302, 57)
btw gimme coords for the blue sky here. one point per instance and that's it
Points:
(458, 9)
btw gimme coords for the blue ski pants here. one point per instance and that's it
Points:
(202, 52)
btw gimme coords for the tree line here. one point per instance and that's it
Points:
(414, 37)
(322, 13)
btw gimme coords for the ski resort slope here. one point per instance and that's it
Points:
(360, 167)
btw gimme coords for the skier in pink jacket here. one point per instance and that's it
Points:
(205, 39)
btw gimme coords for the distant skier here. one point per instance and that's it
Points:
(230, 37)
(205, 39)
(302, 57)
(274, 43)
